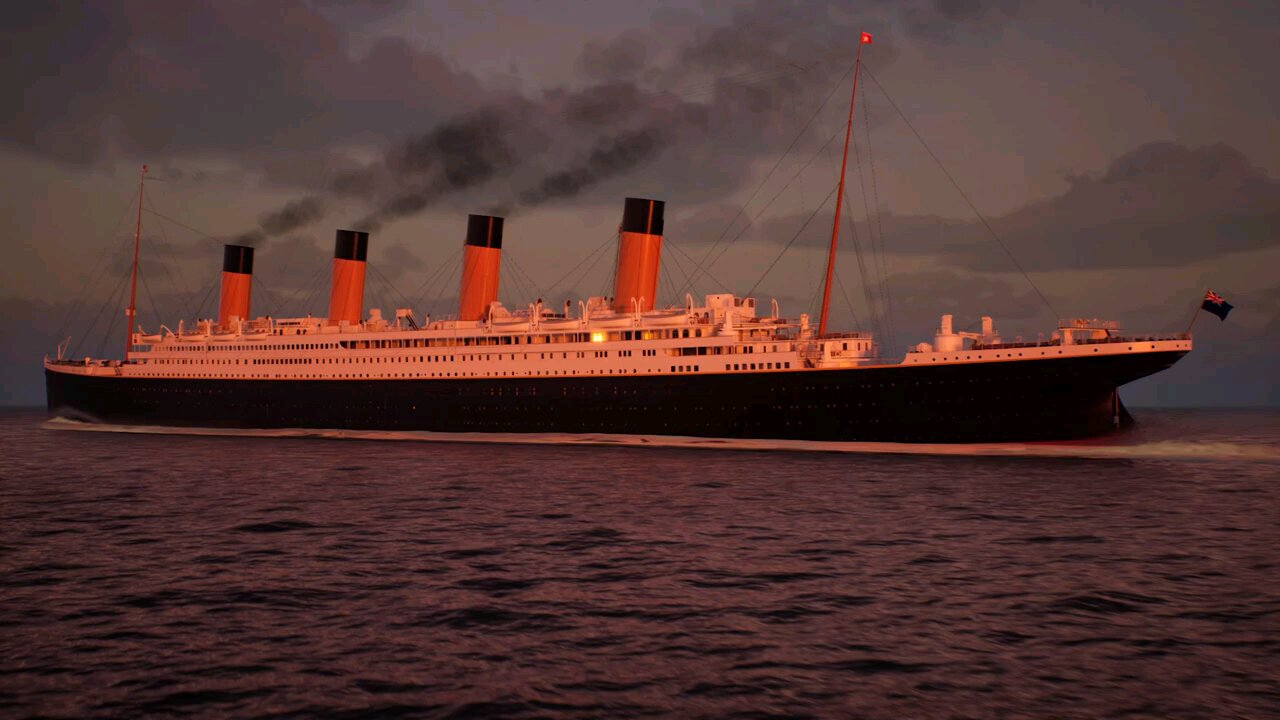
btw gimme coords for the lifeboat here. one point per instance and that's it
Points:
(666, 317)
(561, 323)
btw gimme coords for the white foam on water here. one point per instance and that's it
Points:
(1099, 449)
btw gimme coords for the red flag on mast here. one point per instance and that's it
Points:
(866, 38)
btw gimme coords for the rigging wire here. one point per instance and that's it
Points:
(150, 298)
(184, 226)
(532, 286)
(868, 288)
(112, 299)
(705, 271)
(207, 293)
(186, 294)
(963, 196)
(791, 242)
(886, 295)
(452, 272)
(814, 306)
(94, 276)
(423, 289)
(522, 287)
(867, 293)
(311, 283)
(664, 274)
(389, 285)
(585, 258)
(854, 313)
(742, 209)
(680, 266)
(769, 204)
(257, 288)
(117, 297)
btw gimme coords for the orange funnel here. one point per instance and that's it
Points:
(237, 277)
(639, 251)
(480, 264)
(346, 294)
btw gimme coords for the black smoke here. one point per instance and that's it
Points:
(609, 158)
(294, 215)
(459, 154)
(697, 118)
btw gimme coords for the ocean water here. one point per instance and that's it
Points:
(153, 574)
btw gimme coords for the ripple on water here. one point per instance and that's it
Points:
(279, 577)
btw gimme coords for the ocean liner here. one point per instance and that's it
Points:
(719, 366)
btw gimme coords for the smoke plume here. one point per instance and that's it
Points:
(293, 215)
(609, 158)
(698, 118)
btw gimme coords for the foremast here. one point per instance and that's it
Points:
(864, 39)
(132, 311)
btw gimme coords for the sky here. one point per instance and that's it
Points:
(1024, 160)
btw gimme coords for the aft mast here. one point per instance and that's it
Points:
(132, 310)
(865, 39)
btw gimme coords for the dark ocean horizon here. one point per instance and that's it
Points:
(154, 575)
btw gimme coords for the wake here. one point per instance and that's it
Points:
(1105, 448)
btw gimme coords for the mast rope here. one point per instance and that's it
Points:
(83, 295)
(117, 296)
(185, 291)
(743, 208)
(792, 241)
(585, 258)
(886, 294)
(854, 313)
(534, 290)
(310, 284)
(150, 298)
(207, 294)
(112, 299)
(389, 286)
(705, 270)
(869, 283)
(455, 264)
(524, 288)
(427, 284)
(664, 274)
(963, 196)
(868, 292)
(687, 275)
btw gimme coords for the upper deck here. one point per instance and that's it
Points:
(723, 335)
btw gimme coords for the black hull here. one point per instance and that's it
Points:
(1021, 401)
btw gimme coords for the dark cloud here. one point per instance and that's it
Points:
(1161, 205)
(601, 105)
(236, 79)
(622, 58)
(948, 20)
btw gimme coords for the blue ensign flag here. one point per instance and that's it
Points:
(1214, 303)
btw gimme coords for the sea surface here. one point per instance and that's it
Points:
(146, 575)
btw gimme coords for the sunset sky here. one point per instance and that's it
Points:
(1127, 154)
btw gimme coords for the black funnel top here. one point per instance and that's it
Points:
(642, 216)
(484, 231)
(351, 245)
(237, 259)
